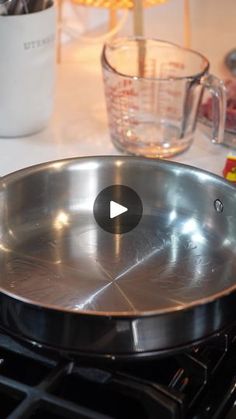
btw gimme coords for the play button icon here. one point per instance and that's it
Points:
(118, 209)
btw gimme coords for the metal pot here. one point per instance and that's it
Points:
(67, 284)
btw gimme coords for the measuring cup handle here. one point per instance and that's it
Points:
(217, 90)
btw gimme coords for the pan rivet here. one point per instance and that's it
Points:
(218, 205)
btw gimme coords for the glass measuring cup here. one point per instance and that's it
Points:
(153, 91)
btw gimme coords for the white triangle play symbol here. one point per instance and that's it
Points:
(116, 209)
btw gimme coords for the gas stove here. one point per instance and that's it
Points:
(198, 383)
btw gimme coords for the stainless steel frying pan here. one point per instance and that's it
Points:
(67, 284)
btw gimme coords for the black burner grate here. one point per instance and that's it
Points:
(196, 384)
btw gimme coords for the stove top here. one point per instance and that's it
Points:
(200, 383)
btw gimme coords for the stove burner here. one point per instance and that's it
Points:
(200, 383)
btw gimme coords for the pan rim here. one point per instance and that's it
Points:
(64, 161)
(124, 314)
(21, 173)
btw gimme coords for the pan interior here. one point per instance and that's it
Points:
(157, 266)
(62, 259)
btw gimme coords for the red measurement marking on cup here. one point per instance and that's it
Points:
(176, 65)
(122, 97)
(168, 94)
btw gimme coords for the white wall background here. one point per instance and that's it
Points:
(213, 26)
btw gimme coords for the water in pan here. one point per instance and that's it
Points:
(164, 263)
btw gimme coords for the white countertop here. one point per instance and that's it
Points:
(79, 124)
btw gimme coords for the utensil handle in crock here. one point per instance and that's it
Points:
(217, 90)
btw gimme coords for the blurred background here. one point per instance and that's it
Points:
(211, 27)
